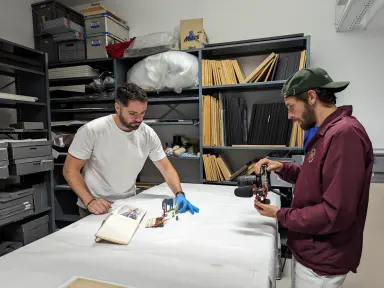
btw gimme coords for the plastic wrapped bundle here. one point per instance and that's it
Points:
(169, 70)
(152, 44)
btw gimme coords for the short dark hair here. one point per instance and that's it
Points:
(326, 96)
(130, 91)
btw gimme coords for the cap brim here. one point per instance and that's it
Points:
(336, 86)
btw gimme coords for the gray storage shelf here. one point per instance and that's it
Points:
(104, 62)
(253, 93)
(29, 68)
(257, 48)
(174, 100)
(185, 122)
(45, 210)
(13, 103)
(72, 80)
(65, 108)
(260, 148)
(184, 158)
(245, 87)
(19, 69)
(21, 131)
(84, 110)
(193, 90)
(151, 100)
(83, 99)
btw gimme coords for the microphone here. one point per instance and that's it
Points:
(244, 191)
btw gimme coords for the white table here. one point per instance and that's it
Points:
(228, 244)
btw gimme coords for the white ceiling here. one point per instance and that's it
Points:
(378, 21)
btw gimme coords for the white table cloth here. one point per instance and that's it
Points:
(227, 244)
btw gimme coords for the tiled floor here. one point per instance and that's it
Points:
(372, 263)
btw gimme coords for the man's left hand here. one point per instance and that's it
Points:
(266, 209)
(183, 205)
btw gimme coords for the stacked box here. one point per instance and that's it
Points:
(102, 30)
(49, 13)
(4, 172)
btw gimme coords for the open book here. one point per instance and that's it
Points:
(81, 282)
(121, 225)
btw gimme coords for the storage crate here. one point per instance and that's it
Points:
(28, 125)
(105, 23)
(4, 171)
(69, 36)
(97, 45)
(3, 154)
(47, 45)
(31, 165)
(72, 51)
(50, 10)
(29, 149)
(28, 232)
(14, 202)
(61, 25)
(40, 197)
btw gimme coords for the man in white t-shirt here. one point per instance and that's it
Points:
(112, 151)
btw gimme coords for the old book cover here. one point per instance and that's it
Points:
(81, 282)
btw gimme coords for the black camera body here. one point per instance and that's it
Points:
(256, 185)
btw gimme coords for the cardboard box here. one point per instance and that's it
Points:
(192, 34)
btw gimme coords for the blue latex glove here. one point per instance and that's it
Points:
(183, 204)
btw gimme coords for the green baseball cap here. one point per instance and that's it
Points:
(311, 78)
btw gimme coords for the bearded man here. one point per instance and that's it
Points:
(112, 150)
(328, 212)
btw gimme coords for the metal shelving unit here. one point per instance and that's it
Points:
(255, 92)
(83, 108)
(163, 105)
(28, 69)
(92, 107)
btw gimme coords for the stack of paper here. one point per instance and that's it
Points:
(73, 72)
(17, 97)
(221, 72)
(215, 168)
(274, 67)
(212, 121)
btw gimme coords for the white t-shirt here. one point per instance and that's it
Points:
(115, 157)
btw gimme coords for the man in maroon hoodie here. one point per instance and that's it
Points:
(327, 216)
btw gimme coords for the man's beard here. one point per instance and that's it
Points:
(129, 126)
(309, 117)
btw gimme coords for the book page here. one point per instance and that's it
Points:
(120, 226)
(80, 282)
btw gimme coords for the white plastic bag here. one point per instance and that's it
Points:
(175, 70)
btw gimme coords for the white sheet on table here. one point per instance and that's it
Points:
(226, 245)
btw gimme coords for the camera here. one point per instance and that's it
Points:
(256, 185)
(258, 180)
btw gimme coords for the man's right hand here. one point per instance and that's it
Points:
(272, 165)
(99, 206)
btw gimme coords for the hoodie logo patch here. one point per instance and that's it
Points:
(311, 155)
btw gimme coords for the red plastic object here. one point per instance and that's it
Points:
(117, 50)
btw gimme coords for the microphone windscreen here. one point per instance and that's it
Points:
(246, 191)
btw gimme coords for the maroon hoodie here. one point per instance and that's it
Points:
(327, 216)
